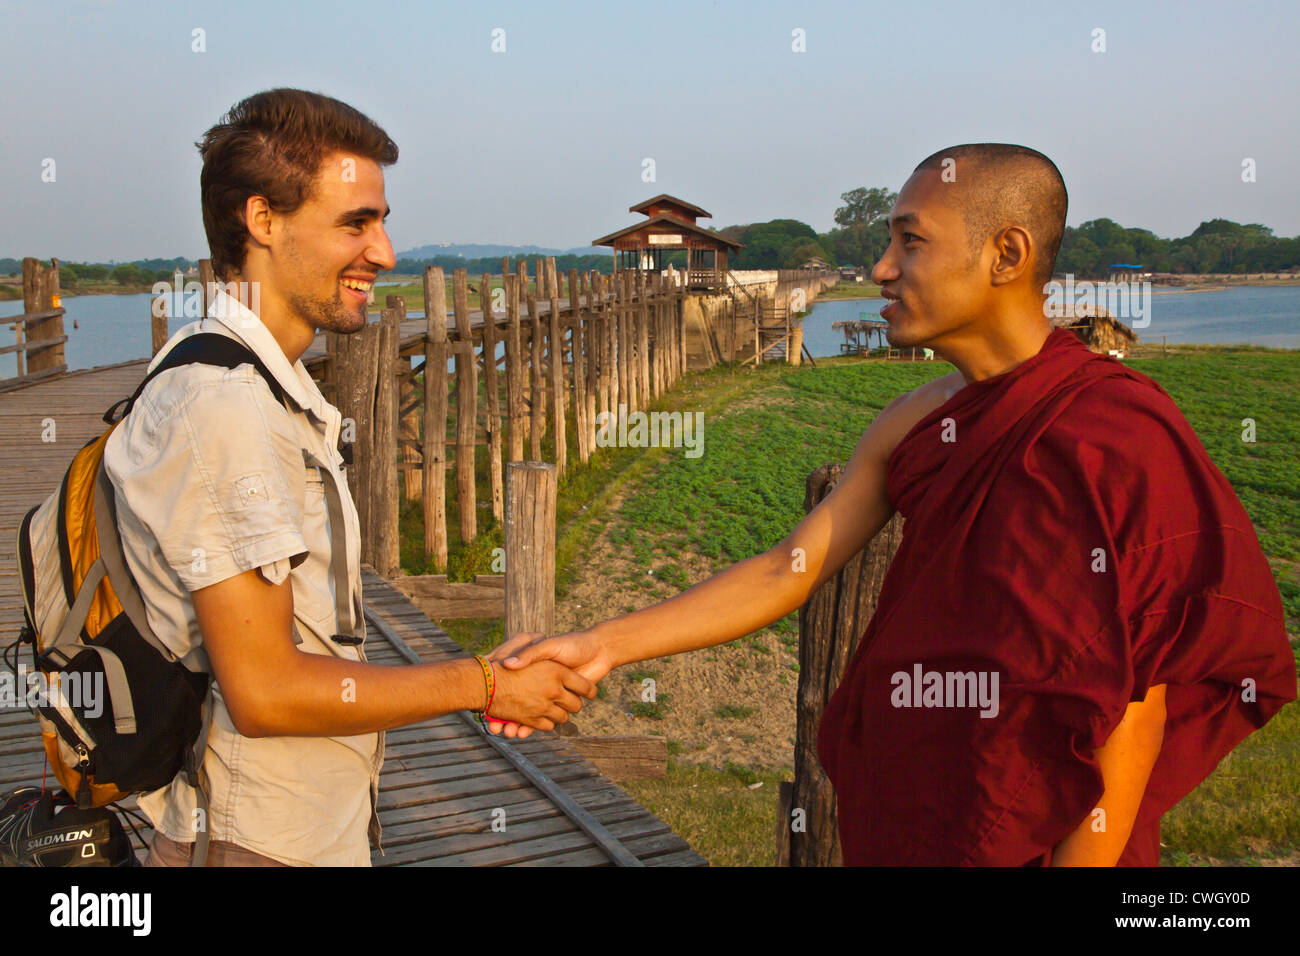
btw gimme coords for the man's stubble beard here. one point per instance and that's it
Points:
(329, 315)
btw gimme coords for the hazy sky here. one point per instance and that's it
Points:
(544, 143)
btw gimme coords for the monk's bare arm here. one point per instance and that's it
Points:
(755, 592)
(1126, 760)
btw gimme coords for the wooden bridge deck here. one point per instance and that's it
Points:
(441, 779)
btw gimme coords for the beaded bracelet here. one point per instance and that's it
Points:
(489, 682)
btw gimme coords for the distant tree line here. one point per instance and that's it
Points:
(139, 272)
(861, 238)
(492, 264)
(1218, 245)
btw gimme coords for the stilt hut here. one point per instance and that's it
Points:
(1097, 329)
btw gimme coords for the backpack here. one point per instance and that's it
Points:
(86, 623)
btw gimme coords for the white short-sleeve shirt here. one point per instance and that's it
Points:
(211, 481)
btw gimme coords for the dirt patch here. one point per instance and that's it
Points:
(734, 703)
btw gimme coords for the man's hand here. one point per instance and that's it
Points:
(540, 696)
(578, 650)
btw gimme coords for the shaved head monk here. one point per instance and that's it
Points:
(1079, 623)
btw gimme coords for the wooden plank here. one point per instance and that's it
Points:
(454, 812)
(625, 758)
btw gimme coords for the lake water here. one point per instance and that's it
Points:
(115, 328)
(1260, 315)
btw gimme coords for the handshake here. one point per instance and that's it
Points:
(540, 680)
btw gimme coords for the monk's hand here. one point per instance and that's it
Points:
(578, 650)
(540, 696)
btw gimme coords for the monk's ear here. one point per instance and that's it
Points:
(1012, 255)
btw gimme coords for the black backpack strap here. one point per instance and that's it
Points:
(203, 348)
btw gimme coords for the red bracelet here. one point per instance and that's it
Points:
(490, 677)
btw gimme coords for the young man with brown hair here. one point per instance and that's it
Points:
(230, 509)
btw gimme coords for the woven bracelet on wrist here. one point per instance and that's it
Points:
(489, 683)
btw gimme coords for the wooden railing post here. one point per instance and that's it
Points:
(592, 340)
(622, 316)
(40, 295)
(530, 547)
(493, 390)
(830, 625)
(514, 366)
(644, 311)
(579, 367)
(466, 408)
(536, 394)
(556, 371)
(386, 551)
(408, 408)
(433, 455)
(357, 367)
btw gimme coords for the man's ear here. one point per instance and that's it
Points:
(1013, 255)
(257, 220)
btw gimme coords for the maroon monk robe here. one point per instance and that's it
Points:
(1073, 537)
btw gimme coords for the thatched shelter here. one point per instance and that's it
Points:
(1097, 329)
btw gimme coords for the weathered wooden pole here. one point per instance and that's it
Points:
(44, 337)
(609, 353)
(626, 361)
(592, 343)
(679, 336)
(385, 555)
(493, 390)
(530, 547)
(830, 625)
(636, 287)
(157, 327)
(672, 302)
(357, 366)
(433, 455)
(661, 332)
(536, 408)
(514, 367)
(657, 337)
(466, 408)
(556, 370)
(408, 411)
(643, 313)
(576, 293)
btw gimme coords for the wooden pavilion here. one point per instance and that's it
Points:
(671, 227)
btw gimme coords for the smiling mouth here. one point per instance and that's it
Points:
(357, 287)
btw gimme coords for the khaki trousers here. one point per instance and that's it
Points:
(164, 851)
